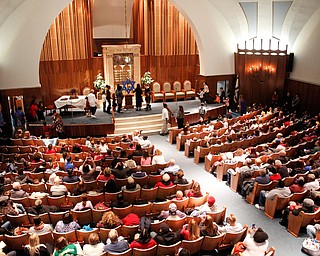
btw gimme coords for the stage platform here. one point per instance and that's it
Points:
(77, 124)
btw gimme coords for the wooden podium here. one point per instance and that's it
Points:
(128, 101)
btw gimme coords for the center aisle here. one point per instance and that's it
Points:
(283, 241)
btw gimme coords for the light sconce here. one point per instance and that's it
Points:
(260, 73)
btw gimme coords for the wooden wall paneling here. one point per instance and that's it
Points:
(308, 93)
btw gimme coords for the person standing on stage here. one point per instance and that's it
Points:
(222, 95)
(108, 98)
(165, 119)
(138, 92)
(206, 92)
(93, 103)
(104, 101)
(147, 93)
(180, 117)
(242, 105)
(119, 96)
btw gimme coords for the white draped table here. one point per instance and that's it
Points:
(65, 100)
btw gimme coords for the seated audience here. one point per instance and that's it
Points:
(231, 226)
(67, 224)
(130, 163)
(144, 241)
(165, 182)
(298, 187)
(110, 187)
(39, 227)
(195, 191)
(84, 204)
(172, 168)
(280, 191)
(209, 206)
(145, 159)
(158, 158)
(57, 189)
(282, 169)
(208, 228)
(71, 178)
(172, 214)
(257, 245)
(22, 177)
(120, 203)
(138, 173)
(116, 246)
(106, 175)
(179, 179)
(80, 189)
(63, 248)
(95, 247)
(34, 248)
(39, 208)
(109, 220)
(119, 171)
(50, 149)
(131, 185)
(312, 183)
(190, 231)
(17, 192)
(165, 236)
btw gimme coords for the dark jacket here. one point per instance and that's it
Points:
(169, 238)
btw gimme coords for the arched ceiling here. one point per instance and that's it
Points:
(217, 24)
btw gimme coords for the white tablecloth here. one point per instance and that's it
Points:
(65, 100)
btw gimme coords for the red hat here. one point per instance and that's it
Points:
(211, 200)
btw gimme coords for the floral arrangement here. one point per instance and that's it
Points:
(146, 79)
(99, 83)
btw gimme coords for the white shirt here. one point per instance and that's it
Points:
(165, 114)
(104, 98)
(92, 99)
(253, 248)
(103, 148)
(231, 229)
(93, 250)
(158, 159)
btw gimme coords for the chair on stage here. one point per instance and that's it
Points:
(180, 94)
(190, 93)
(157, 94)
(169, 94)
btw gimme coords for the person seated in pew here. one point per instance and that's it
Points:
(190, 231)
(17, 192)
(71, 178)
(307, 206)
(231, 225)
(172, 214)
(131, 185)
(166, 236)
(165, 182)
(280, 190)
(57, 188)
(120, 203)
(256, 243)
(138, 173)
(62, 247)
(208, 227)
(144, 241)
(22, 177)
(67, 224)
(116, 245)
(109, 220)
(195, 191)
(95, 247)
(209, 206)
(312, 183)
(39, 208)
(39, 227)
(34, 248)
(105, 175)
(172, 168)
(130, 163)
(84, 204)
(179, 179)
(298, 186)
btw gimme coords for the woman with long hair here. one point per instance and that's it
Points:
(95, 247)
(195, 191)
(208, 228)
(34, 248)
(144, 241)
(84, 204)
(138, 92)
(145, 159)
(109, 220)
(190, 231)
(67, 224)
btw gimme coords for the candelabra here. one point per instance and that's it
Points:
(260, 73)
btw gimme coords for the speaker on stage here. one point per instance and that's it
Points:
(290, 62)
